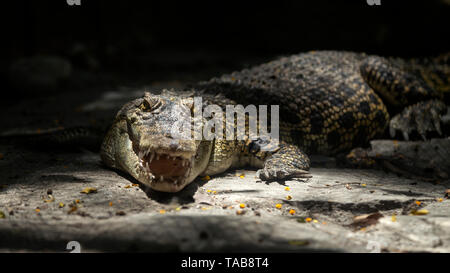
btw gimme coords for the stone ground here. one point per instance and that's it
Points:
(42, 206)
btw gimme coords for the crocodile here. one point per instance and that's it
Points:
(330, 102)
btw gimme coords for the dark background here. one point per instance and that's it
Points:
(159, 40)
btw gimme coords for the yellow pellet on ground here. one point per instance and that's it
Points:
(37, 210)
(287, 189)
(242, 176)
(292, 212)
(127, 186)
(110, 204)
(440, 199)
(178, 209)
(364, 185)
(324, 223)
(162, 211)
(278, 206)
(77, 201)
(209, 191)
(242, 206)
(206, 178)
(288, 197)
(315, 221)
(308, 219)
(61, 204)
(418, 203)
(214, 192)
(394, 218)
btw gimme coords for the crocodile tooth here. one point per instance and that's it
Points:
(151, 157)
(175, 181)
(157, 156)
(161, 178)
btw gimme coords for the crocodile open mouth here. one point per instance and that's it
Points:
(165, 167)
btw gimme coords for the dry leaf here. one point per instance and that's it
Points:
(89, 190)
(420, 212)
(366, 220)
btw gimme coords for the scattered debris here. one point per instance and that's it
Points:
(89, 190)
(240, 212)
(365, 220)
(120, 213)
(73, 208)
(420, 212)
(206, 178)
(50, 199)
(394, 218)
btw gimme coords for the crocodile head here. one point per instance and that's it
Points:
(149, 148)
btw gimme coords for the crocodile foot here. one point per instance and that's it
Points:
(422, 117)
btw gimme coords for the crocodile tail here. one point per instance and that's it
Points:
(73, 138)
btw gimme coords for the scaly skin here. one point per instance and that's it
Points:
(329, 102)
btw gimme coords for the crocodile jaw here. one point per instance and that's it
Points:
(170, 171)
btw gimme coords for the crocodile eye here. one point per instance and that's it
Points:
(149, 105)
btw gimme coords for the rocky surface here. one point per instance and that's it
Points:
(50, 198)
(44, 208)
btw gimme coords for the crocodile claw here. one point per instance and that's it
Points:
(422, 117)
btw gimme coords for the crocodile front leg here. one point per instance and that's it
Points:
(286, 162)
